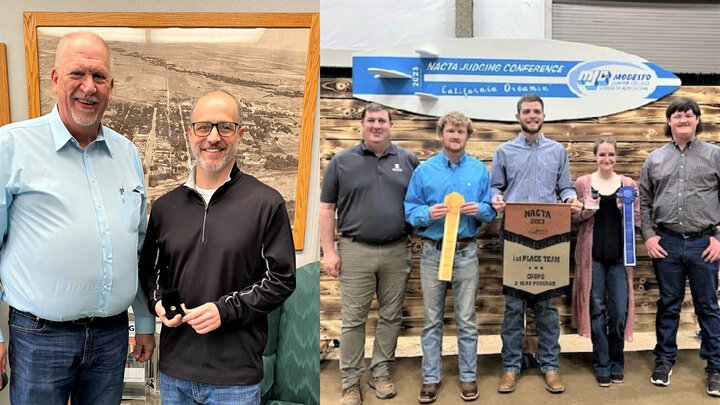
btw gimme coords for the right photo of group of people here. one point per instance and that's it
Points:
(416, 208)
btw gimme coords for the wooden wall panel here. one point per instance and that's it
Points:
(638, 132)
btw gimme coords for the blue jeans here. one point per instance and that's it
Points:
(464, 289)
(53, 361)
(176, 391)
(608, 334)
(684, 259)
(548, 330)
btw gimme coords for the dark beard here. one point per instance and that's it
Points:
(527, 130)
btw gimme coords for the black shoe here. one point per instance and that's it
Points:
(713, 384)
(616, 378)
(661, 375)
(603, 380)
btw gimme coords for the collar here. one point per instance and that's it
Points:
(61, 135)
(446, 161)
(391, 149)
(190, 183)
(688, 145)
(521, 140)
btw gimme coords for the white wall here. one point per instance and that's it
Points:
(511, 18)
(11, 33)
(349, 26)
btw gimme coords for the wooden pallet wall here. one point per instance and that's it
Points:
(638, 132)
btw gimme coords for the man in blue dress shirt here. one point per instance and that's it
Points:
(531, 168)
(451, 170)
(72, 220)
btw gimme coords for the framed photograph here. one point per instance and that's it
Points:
(162, 62)
(4, 89)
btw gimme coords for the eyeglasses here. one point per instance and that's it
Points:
(204, 128)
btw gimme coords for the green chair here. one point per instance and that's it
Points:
(291, 360)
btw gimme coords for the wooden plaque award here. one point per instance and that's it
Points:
(447, 256)
(536, 256)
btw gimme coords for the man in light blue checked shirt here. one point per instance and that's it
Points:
(531, 168)
(451, 170)
(72, 220)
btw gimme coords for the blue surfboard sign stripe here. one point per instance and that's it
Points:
(660, 72)
(581, 80)
(468, 66)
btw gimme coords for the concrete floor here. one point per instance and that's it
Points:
(687, 382)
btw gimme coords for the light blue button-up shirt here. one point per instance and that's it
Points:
(527, 171)
(437, 177)
(72, 222)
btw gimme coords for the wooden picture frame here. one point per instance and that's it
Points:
(97, 20)
(4, 88)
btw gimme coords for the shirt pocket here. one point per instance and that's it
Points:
(702, 177)
(131, 203)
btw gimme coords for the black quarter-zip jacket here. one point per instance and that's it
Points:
(237, 252)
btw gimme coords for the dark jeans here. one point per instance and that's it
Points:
(548, 332)
(684, 260)
(608, 331)
(53, 361)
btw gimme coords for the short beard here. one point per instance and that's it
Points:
(84, 121)
(229, 156)
(527, 130)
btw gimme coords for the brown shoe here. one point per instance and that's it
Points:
(553, 382)
(428, 393)
(508, 382)
(383, 386)
(351, 395)
(469, 391)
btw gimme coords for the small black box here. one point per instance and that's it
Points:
(171, 303)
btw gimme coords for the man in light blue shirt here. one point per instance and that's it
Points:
(531, 168)
(72, 220)
(451, 170)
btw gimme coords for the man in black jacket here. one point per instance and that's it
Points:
(221, 242)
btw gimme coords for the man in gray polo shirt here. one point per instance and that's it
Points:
(366, 184)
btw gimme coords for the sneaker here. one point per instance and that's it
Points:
(616, 378)
(603, 380)
(661, 375)
(428, 393)
(713, 384)
(384, 386)
(508, 382)
(351, 395)
(469, 391)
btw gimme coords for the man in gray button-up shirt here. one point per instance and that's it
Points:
(530, 168)
(680, 209)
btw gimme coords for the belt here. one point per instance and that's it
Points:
(92, 321)
(688, 235)
(461, 243)
(370, 242)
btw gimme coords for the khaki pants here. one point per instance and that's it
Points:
(368, 269)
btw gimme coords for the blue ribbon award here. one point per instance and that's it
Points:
(628, 195)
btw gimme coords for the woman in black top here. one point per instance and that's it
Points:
(599, 267)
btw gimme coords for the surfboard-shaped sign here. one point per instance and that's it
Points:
(484, 78)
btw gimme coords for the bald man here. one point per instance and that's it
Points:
(222, 245)
(72, 219)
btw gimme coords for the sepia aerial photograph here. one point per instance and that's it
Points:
(159, 73)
